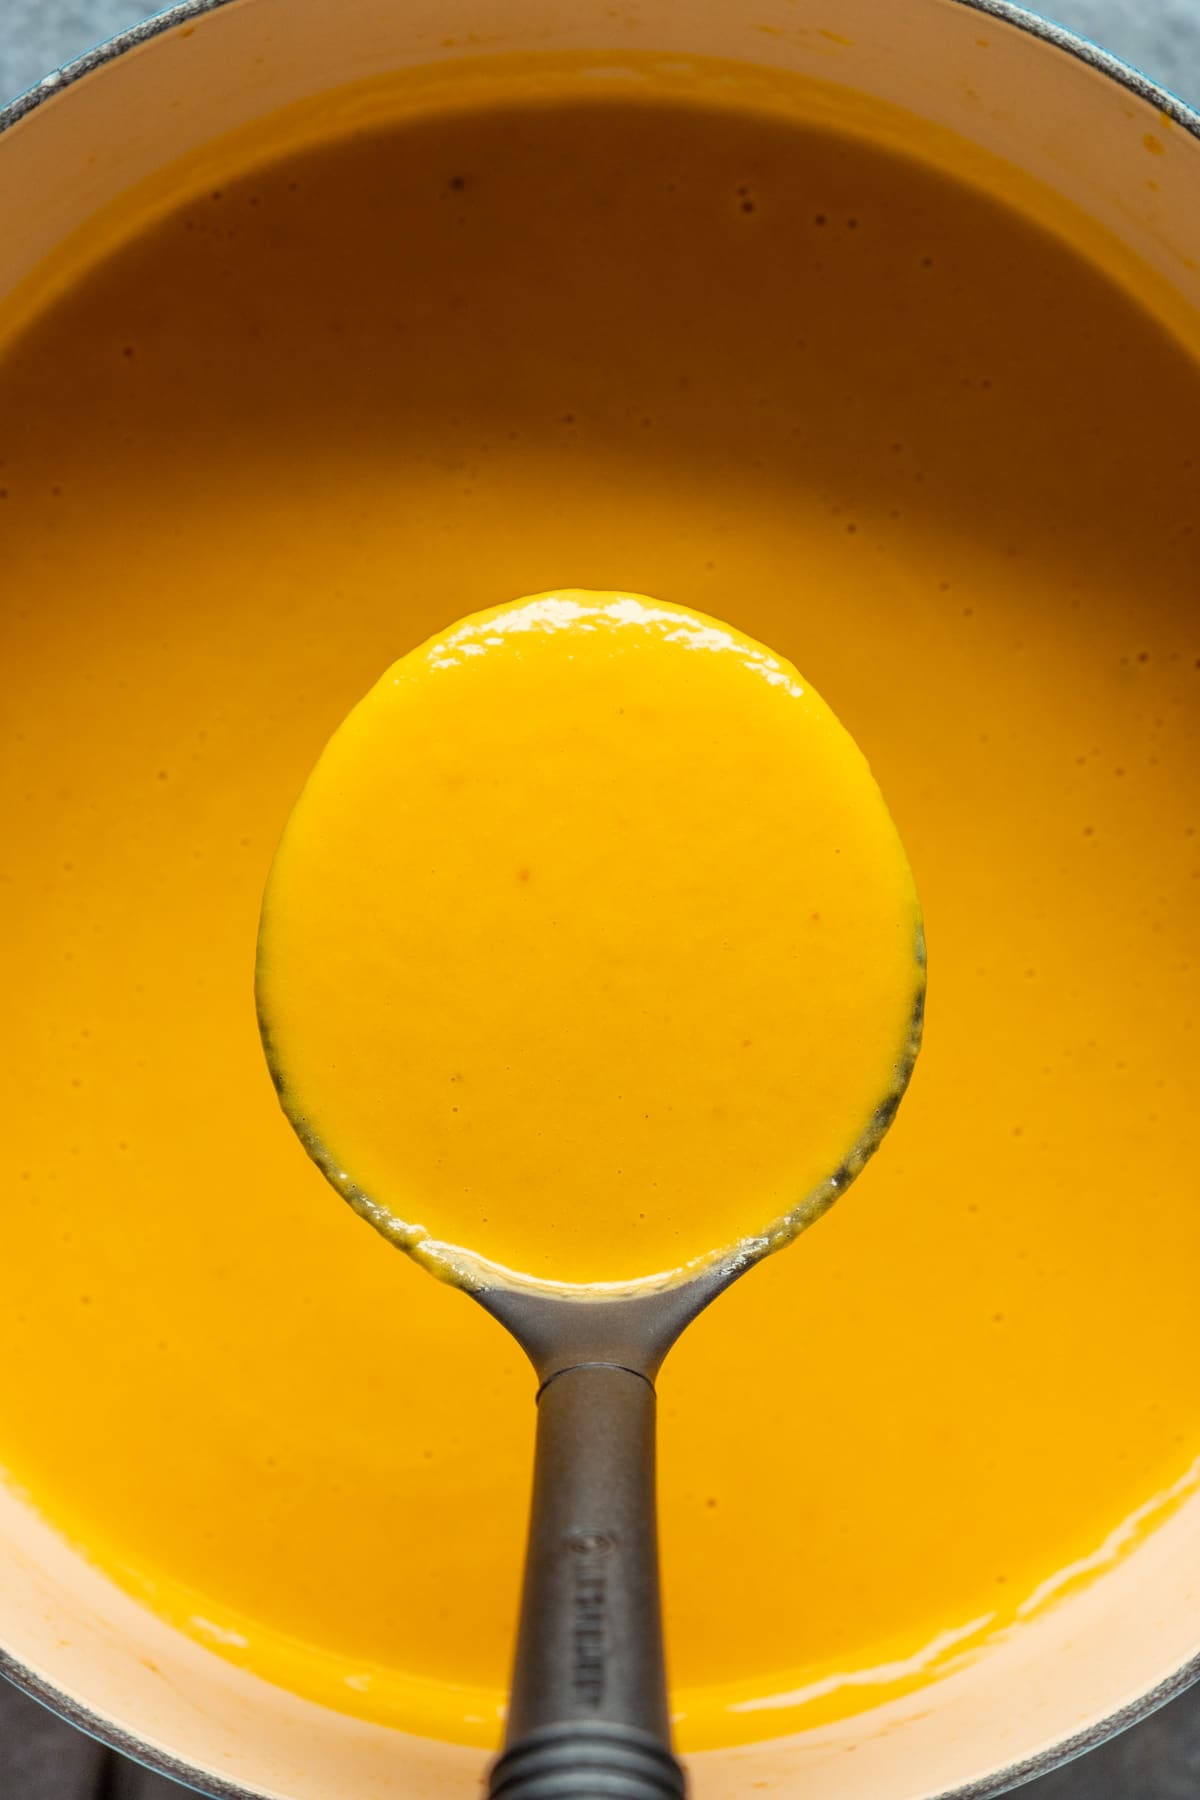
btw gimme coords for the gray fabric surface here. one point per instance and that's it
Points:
(38, 35)
(1160, 37)
(41, 1759)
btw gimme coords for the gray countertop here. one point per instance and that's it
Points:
(41, 1759)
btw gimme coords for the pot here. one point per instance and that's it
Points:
(996, 83)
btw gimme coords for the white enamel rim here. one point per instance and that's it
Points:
(1015, 1774)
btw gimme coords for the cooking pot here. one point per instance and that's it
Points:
(988, 81)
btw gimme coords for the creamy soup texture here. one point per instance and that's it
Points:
(589, 951)
(268, 440)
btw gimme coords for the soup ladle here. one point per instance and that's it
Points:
(589, 1715)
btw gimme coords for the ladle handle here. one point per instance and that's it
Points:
(588, 1713)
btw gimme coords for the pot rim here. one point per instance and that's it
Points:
(1003, 1781)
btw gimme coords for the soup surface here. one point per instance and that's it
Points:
(764, 370)
(590, 949)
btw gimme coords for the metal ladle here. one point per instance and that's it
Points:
(588, 1717)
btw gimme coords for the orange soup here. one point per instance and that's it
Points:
(590, 952)
(272, 437)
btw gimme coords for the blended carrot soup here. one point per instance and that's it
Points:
(590, 952)
(261, 442)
